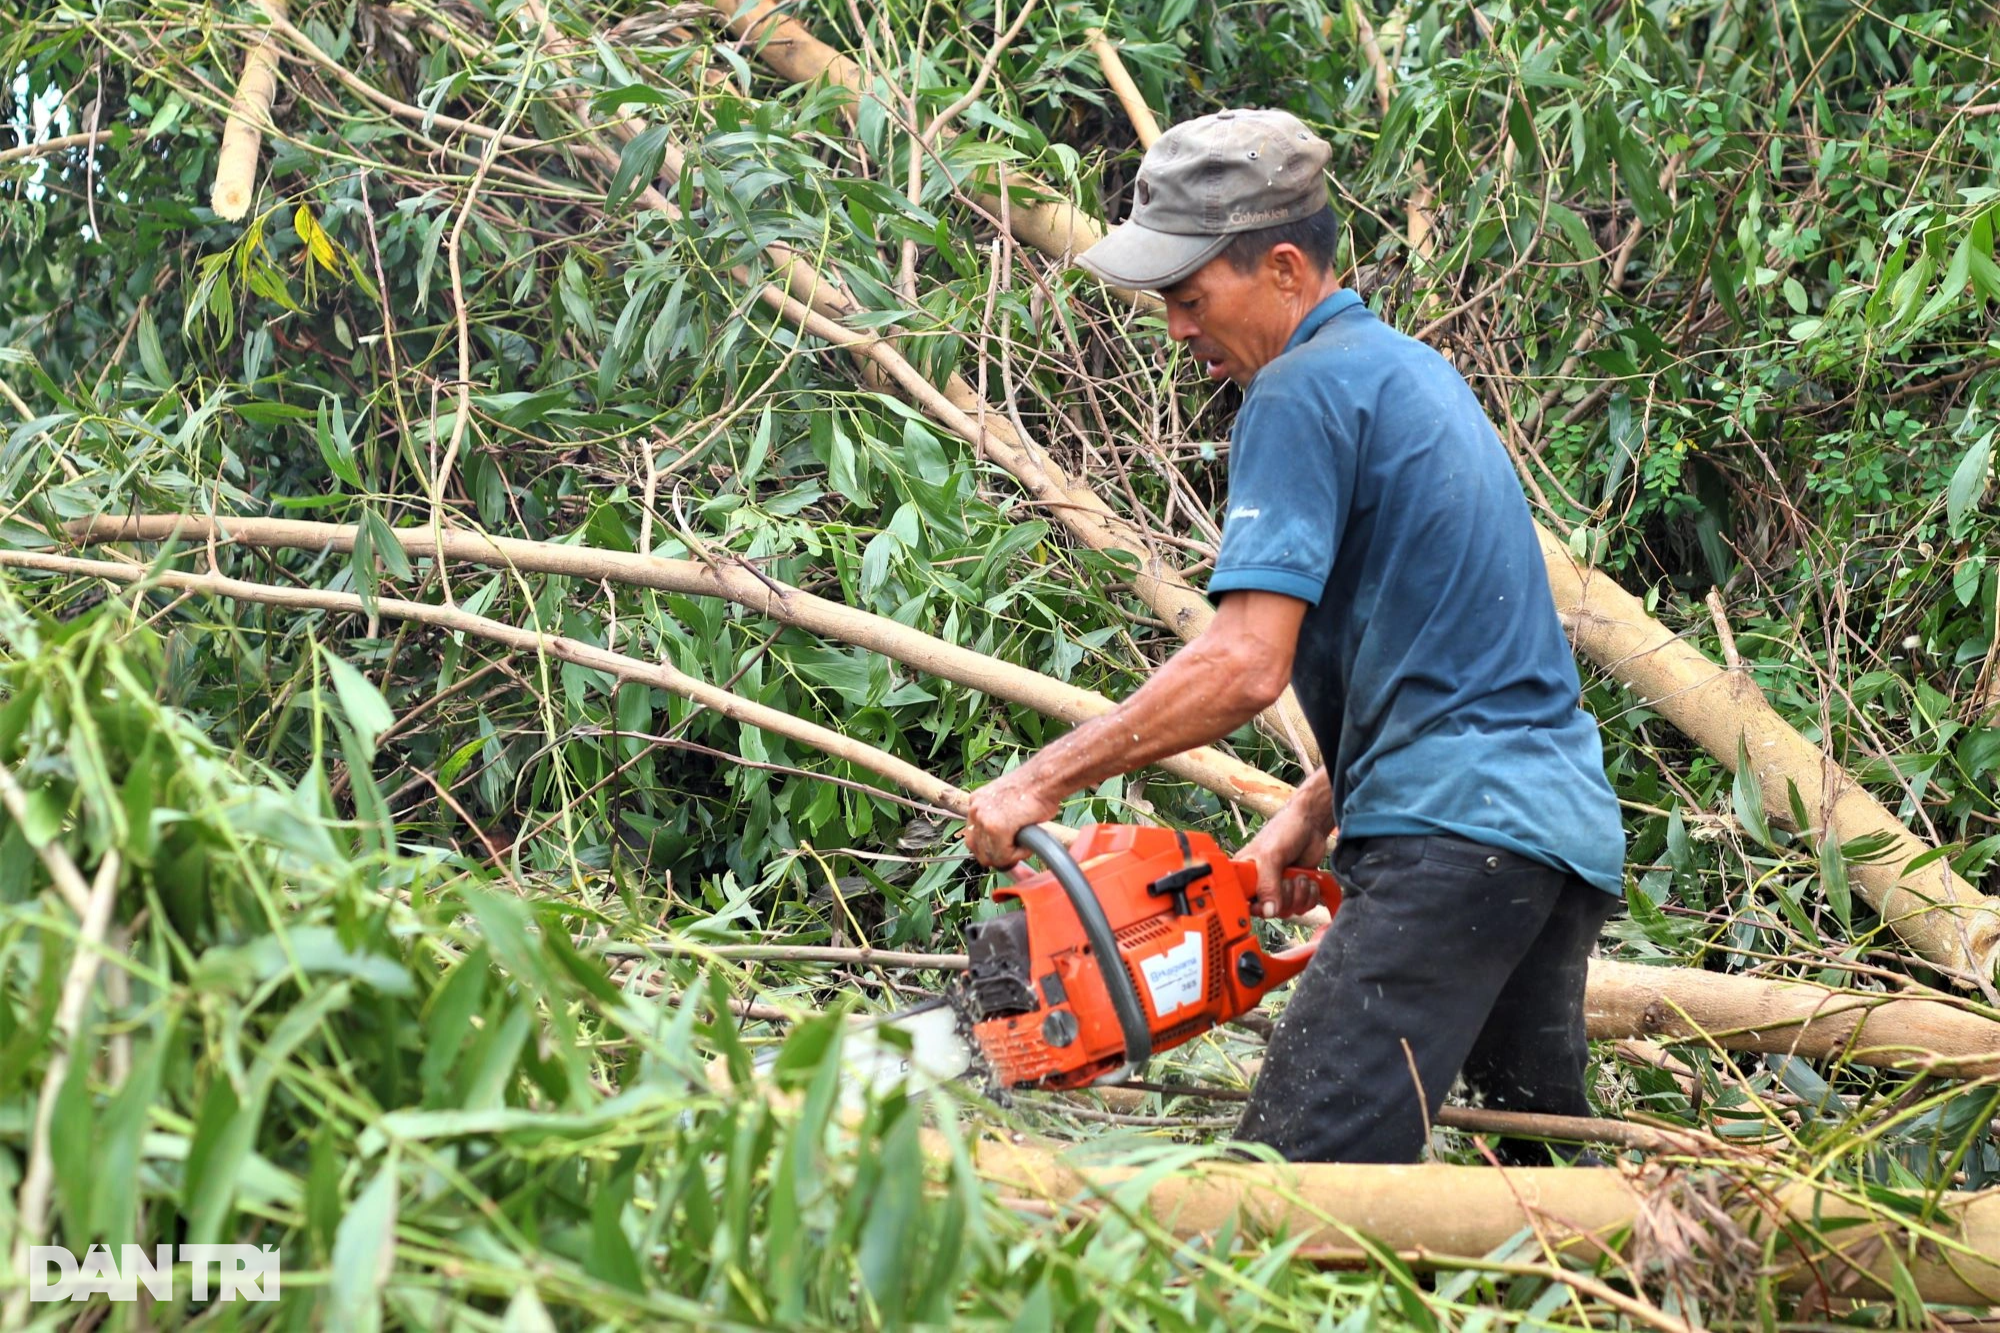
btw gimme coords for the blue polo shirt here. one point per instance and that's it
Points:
(1365, 479)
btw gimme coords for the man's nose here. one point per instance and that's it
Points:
(1180, 325)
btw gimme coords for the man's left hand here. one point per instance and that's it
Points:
(1001, 809)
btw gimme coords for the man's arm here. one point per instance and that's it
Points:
(1237, 668)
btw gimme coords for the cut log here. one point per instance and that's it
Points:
(249, 114)
(1943, 918)
(1226, 776)
(1934, 1036)
(1845, 1246)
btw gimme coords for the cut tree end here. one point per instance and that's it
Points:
(230, 200)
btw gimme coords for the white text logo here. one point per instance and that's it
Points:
(235, 1272)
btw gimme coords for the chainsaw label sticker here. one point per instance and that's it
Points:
(1174, 977)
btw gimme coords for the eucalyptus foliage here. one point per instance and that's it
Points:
(399, 979)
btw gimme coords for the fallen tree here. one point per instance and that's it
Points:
(1934, 1035)
(1813, 1235)
(1943, 918)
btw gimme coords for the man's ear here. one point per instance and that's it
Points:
(1288, 266)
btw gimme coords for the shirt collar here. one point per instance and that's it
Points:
(1320, 315)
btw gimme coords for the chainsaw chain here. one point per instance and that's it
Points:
(958, 995)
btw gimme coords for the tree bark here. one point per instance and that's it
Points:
(1119, 79)
(1576, 1211)
(243, 132)
(1936, 1036)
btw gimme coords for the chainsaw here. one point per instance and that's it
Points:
(1130, 942)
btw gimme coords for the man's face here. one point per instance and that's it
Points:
(1237, 323)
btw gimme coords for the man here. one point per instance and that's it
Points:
(1377, 553)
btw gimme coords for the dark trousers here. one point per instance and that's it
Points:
(1446, 958)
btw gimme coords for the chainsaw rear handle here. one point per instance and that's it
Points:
(1041, 844)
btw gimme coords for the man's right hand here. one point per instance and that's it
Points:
(1289, 840)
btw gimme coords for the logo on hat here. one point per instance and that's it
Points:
(1251, 217)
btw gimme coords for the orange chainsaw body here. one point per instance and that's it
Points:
(1181, 912)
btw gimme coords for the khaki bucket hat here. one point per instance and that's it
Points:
(1203, 182)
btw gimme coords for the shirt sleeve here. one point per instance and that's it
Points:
(1290, 481)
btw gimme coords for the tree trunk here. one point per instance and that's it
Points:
(1938, 914)
(1936, 1036)
(1833, 1241)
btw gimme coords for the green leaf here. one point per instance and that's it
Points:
(455, 763)
(889, 1238)
(1833, 879)
(610, 1257)
(215, 1158)
(304, 950)
(325, 1160)
(115, 1204)
(367, 711)
(384, 545)
(1639, 174)
(638, 166)
(1646, 915)
(151, 355)
(1746, 798)
(364, 1252)
(632, 94)
(1968, 483)
(1965, 578)
(73, 1148)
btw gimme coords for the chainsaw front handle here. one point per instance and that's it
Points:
(1285, 965)
(1042, 845)
(1323, 883)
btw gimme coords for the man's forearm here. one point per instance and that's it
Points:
(1196, 699)
(1208, 689)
